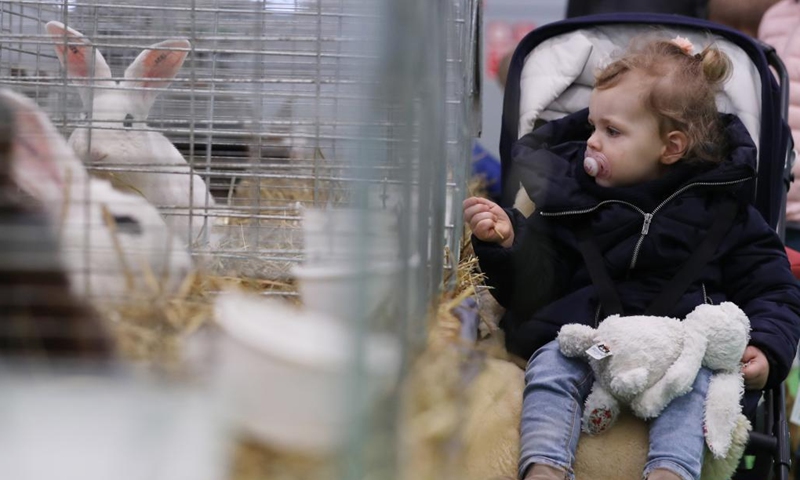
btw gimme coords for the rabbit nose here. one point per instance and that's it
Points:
(95, 156)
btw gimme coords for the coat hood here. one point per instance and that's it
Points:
(548, 162)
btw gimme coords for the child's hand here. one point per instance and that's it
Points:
(488, 221)
(755, 368)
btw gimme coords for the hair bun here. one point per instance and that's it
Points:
(716, 64)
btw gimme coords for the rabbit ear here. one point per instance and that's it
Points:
(83, 62)
(40, 157)
(156, 66)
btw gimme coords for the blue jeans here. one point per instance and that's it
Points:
(556, 388)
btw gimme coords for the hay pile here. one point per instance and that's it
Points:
(255, 461)
(286, 189)
(151, 328)
(262, 242)
(443, 400)
(263, 236)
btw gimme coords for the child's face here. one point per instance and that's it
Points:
(626, 135)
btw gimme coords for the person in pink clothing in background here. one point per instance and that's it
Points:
(743, 15)
(780, 27)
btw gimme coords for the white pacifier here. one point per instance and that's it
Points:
(591, 166)
(596, 164)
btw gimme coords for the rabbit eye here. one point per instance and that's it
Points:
(127, 224)
(128, 123)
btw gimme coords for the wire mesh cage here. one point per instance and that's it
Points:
(311, 149)
(260, 112)
(252, 112)
(256, 115)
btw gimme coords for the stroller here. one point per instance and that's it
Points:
(551, 75)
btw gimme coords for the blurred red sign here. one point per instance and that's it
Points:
(501, 38)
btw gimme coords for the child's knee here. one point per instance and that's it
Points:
(546, 356)
(548, 364)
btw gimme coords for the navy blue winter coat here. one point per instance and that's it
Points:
(645, 233)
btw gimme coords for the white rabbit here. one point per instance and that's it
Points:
(118, 135)
(112, 243)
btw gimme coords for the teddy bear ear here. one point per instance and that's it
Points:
(574, 339)
(722, 411)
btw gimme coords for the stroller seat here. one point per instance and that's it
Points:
(565, 66)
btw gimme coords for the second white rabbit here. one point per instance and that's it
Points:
(118, 135)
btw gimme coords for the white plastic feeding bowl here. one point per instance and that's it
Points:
(91, 427)
(336, 236)
(345, 291)
(286, 373)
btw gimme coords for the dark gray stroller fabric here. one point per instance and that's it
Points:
(690, 8)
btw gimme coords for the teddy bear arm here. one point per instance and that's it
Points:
(574, 339)
(629, 382)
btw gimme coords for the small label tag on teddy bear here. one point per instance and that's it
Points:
(599, 351)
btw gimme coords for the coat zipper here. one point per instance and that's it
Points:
(648, 217)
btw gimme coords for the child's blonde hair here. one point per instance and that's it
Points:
(682, 90)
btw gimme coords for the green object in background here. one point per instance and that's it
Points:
(793, 380)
